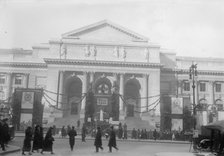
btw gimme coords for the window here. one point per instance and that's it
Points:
(18, 79)
(186, 86)
(202, 87)
(2, 79)
(218, 87)
(202, 105)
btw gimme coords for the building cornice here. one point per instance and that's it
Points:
(101, 63)
(101, 43)
(201, 59)
(23, 65)
(186, 71)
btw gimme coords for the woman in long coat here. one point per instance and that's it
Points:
(112, 140)
(37, 139)
(98, 140)
(72, 133)
(48, 142)
(27, 141)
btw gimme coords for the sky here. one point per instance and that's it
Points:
(185, 27)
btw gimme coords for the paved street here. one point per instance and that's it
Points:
(61, 148)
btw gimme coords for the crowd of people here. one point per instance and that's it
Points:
(45, 144)
(35, 141)
(159, 135)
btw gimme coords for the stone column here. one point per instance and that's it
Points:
(144, 101)
(212, 86)
(114, 83)
(9, 84)
(121, 92)
(179, 87)
(60, 96)
(91, 79)
(154, 90)
(27, 80)
(84, 91)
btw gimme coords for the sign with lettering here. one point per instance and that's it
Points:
(102, 101)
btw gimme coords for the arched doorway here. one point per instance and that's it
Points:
(73, 91)
(102, 90)
(132, 97)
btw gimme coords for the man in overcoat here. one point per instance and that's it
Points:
(72, 133)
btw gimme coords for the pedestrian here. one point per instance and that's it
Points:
(98, 140)
(112, 140)
(120, 131)
(78, 123)
(63, 132)
(6, 137)
(27, 141)
(155, 134)
(72, 133)
(48, 142)
(83, 133)
(68, 129)
(173, 136)
(125, 131)
(37, 139)
(2, 136)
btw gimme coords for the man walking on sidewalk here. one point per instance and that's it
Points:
(112, 140)
(72, 133)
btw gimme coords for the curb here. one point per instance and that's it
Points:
(129, 140)
(15, 149)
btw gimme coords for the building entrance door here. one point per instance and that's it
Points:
(131, 107)
(130, 110)
(74, 108)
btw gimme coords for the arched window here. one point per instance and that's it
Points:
(219, 104)
(202, 106)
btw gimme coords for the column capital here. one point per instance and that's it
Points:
(121, 74)
(145, 75)
(61, 71)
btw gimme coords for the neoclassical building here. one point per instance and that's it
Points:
(107, 58)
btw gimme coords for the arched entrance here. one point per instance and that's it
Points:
(102, 90)
(132, 97)
(73, 91)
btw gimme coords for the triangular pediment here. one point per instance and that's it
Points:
(105, 31)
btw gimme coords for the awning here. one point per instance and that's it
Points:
(217, 125)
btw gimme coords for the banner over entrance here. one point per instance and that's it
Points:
(27, 108)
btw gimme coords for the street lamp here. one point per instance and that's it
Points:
(192, 75)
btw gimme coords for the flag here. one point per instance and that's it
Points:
(27, 100)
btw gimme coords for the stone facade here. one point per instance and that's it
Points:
(106, 57)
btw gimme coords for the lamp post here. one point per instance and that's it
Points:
(192, 75)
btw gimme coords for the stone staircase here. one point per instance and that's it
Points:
(70, 120)
(132, 122)
(137, 123)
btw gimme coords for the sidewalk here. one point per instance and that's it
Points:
(128, 140)
(184, 154)
(10, 149)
